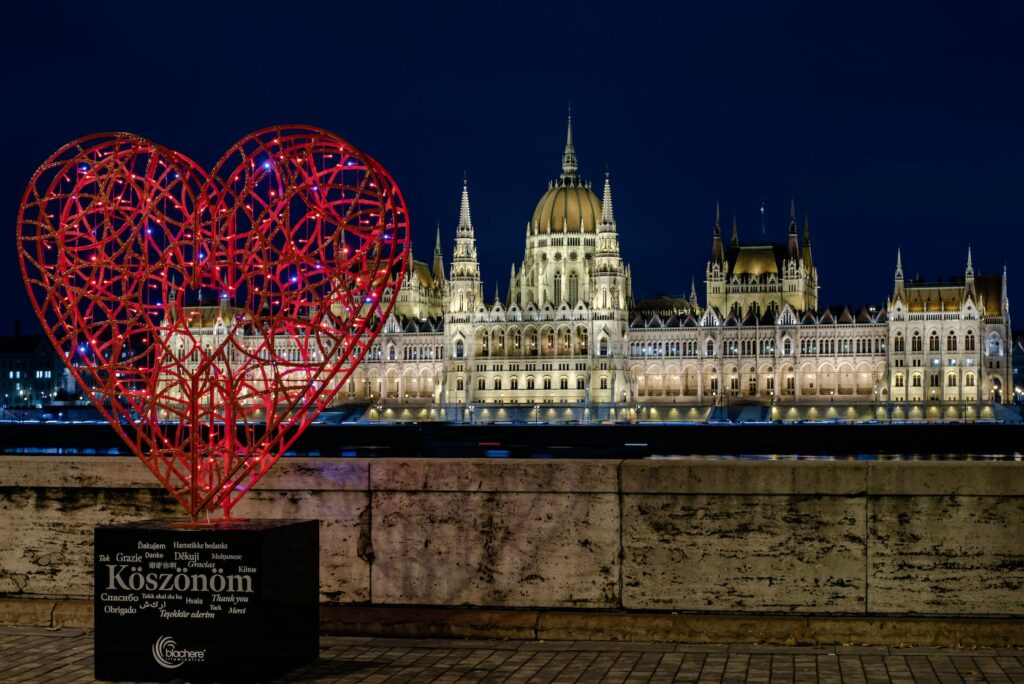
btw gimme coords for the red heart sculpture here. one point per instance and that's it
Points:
(211, 318)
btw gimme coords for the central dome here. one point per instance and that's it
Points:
(563, 206)
(569, 205)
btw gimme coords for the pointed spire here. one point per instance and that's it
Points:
(569, 164)
(899, 291)
(607, 215)
(497, 293)
(693, 293)
(1006, 296)
(717, 251)
(438, 256)
(806, 255)
(735, 241)
(465, 222)
(970, 264)
(793, 242)
(718, 218)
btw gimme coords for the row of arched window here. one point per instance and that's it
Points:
(548, 346)
(763, 347)
(423, 352)
(934, 342)
(916, 379)
(530, 383)
(858, 345)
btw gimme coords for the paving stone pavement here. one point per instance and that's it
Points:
(64, 656)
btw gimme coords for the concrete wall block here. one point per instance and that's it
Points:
(840, 478)
(744, 553)
(317, 474)
(942, 478)
(490, 549)
(46, 540)
(75, 471)
(573, 476)
(946, 555)
(344, 534)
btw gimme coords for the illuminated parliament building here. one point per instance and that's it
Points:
(569, 342)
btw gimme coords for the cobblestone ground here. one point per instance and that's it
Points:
(65, 656)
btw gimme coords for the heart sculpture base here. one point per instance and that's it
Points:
(234, 601)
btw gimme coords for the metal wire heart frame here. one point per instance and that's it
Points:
(211, 317)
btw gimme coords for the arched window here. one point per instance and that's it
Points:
(580, 383)
(995, 347)
(969, 341)
(557, 296)
(513, 383)
(391, 352)
(915, 380)
(915, 342)
(898, 380)
(969, 380)
(951, 342)
(460, 349)
(529, 383)
(563, 383)
(460, 384)
(933, 341)
(787, 346)
(897, 343)
(547, 383)
(481, 384)
(574, 288)
(602, 347)
(497, 383)
(604, 383)
(951, 380)
(711, 348)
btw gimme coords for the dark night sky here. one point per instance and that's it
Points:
(898, 124)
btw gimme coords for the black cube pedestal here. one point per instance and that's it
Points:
(236, 601)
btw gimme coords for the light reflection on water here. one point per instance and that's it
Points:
(1016, 456)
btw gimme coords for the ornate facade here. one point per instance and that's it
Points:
(568, 333)
(569, 342)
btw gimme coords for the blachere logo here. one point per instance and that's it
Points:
(167, 654)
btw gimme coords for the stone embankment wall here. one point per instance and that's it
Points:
(841, 538)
